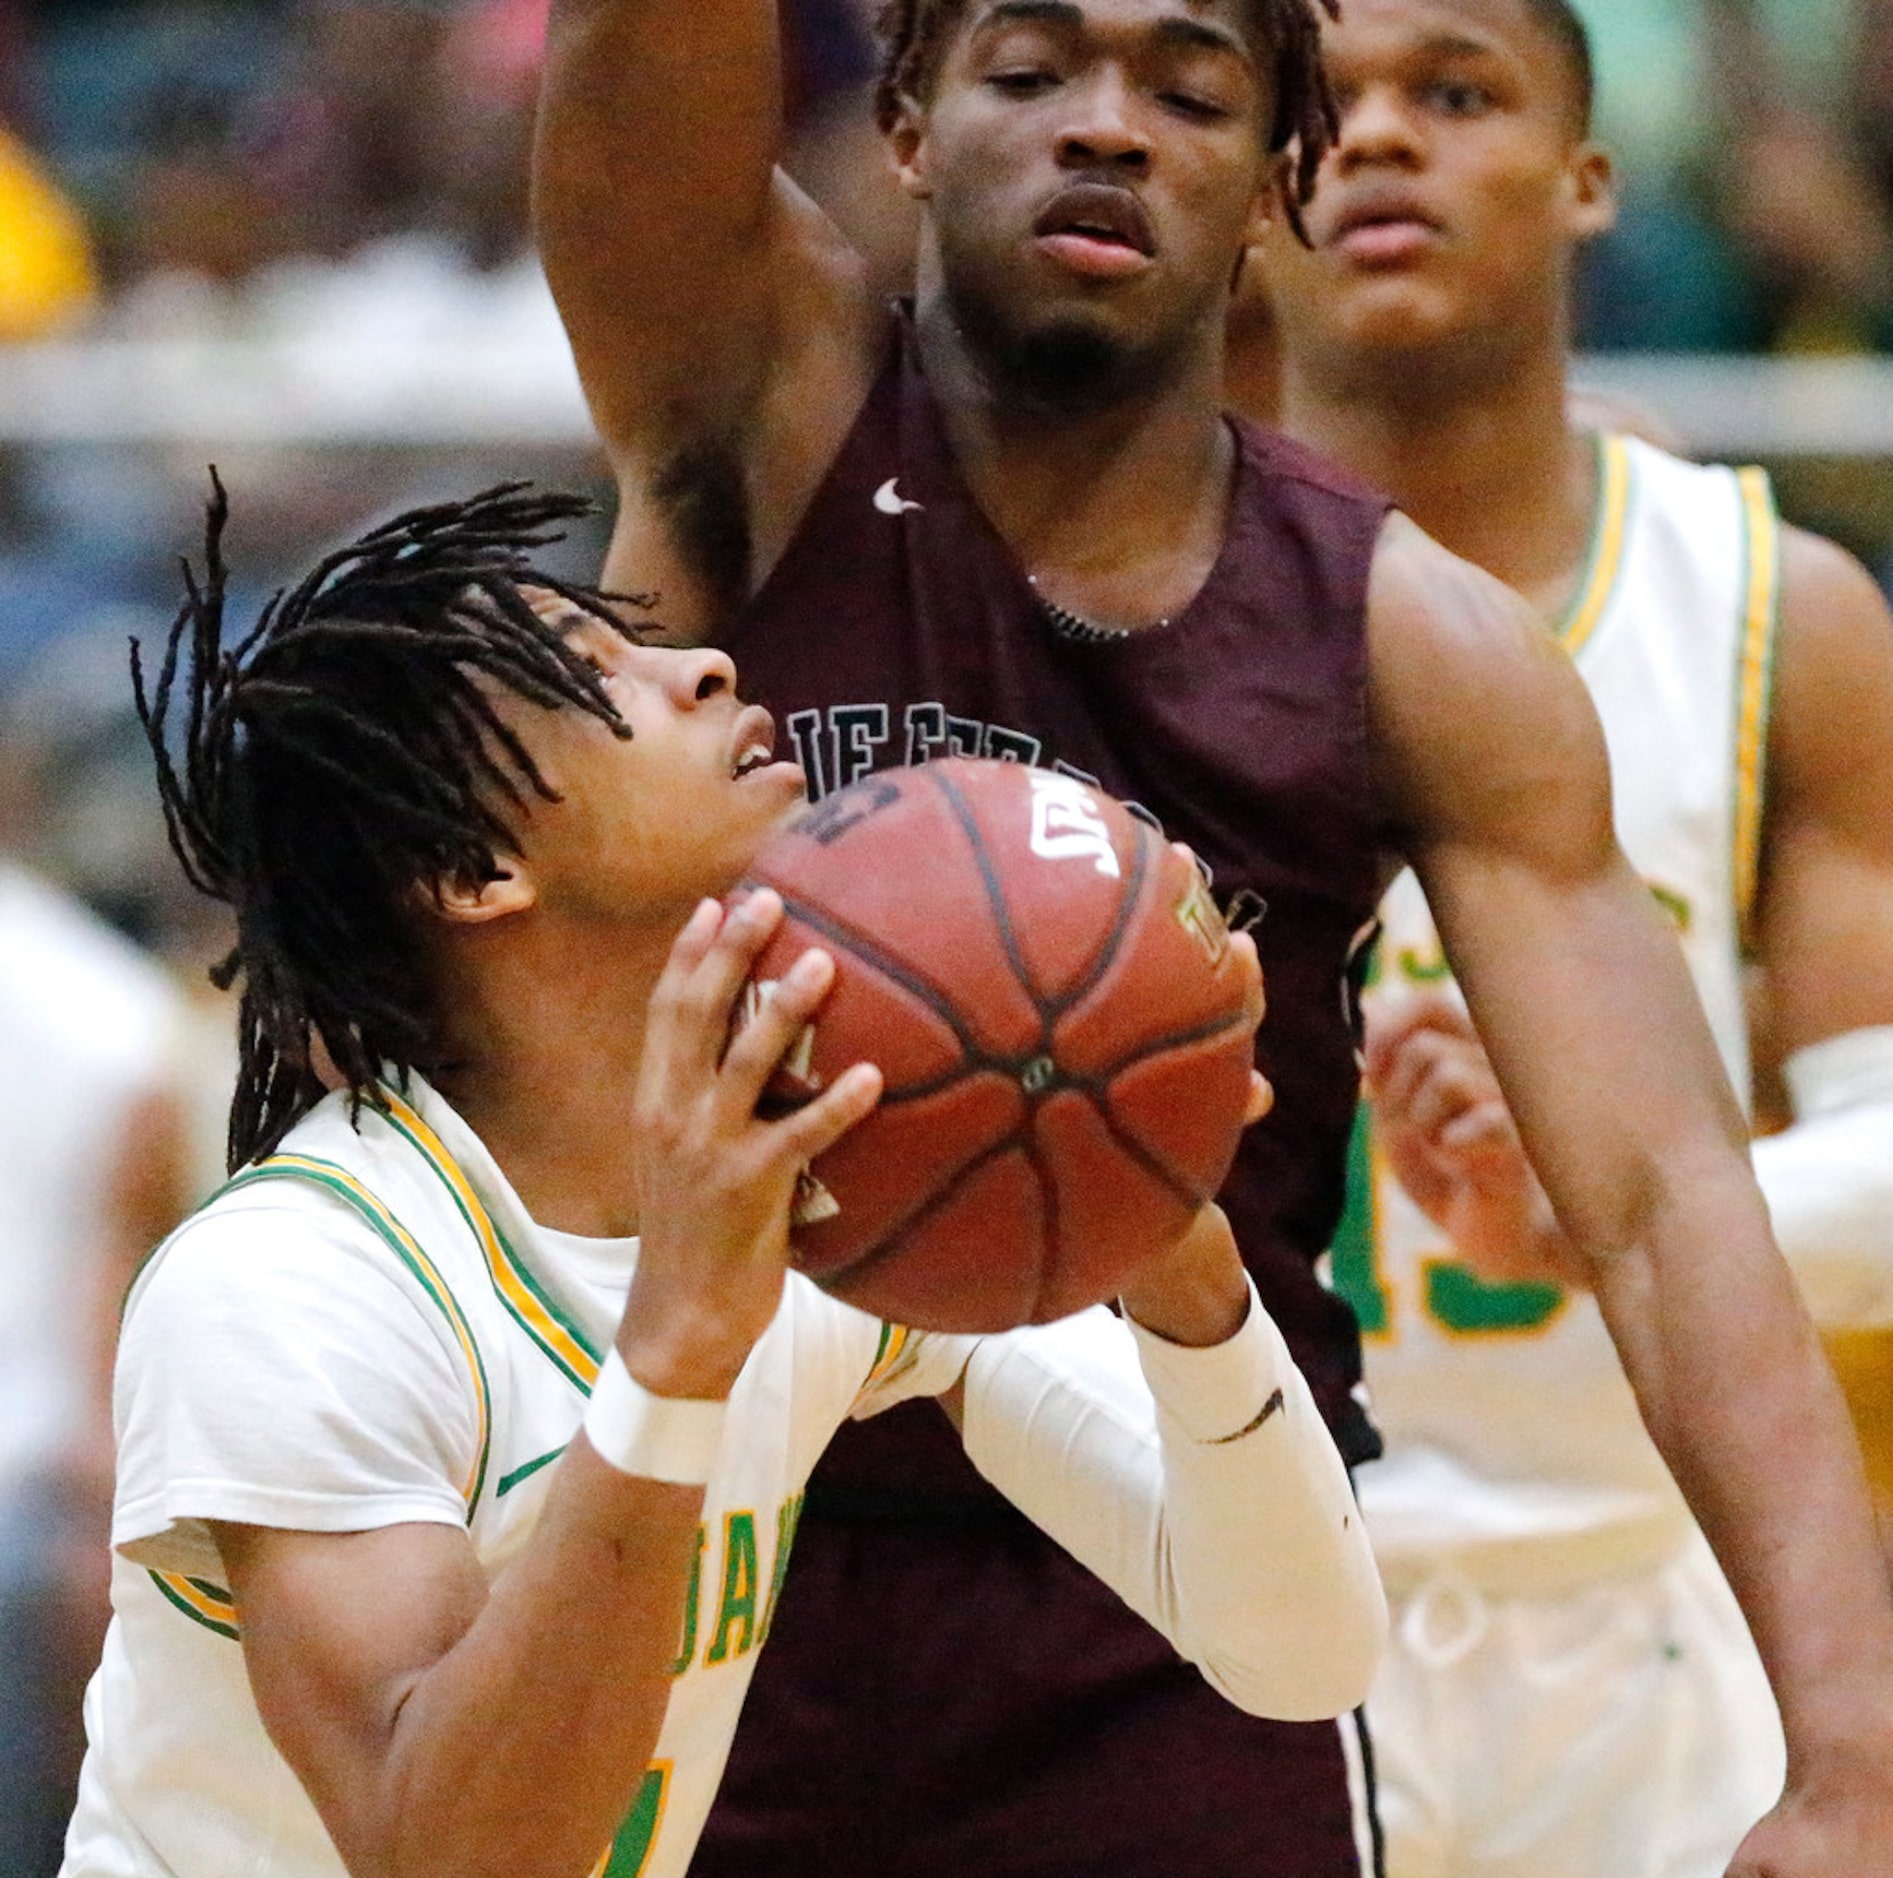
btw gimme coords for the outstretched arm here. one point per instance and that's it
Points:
(724, 331)
(1494, 778)
(655, 198)
(1825, 951)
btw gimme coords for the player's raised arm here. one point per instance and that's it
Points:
(1494, 777)
(684, 263)
(654, 192)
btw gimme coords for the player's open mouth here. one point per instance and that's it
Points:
(1097, 229)
(755, 743)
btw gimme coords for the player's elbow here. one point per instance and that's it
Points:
(1316, 1656)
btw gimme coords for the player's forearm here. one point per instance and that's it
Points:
(1226, 1518)
(1828, 1180)
(1738, 1397)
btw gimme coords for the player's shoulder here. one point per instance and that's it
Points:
(1827, 582)
(305, 1215)
(1834, 656)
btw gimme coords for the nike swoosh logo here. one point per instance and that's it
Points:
(889, 500)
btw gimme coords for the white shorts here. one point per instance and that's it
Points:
(1622, 1730)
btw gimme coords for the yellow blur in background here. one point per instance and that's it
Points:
(47, 279)
(1863, 1360)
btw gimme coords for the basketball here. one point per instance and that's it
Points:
(1052, 998)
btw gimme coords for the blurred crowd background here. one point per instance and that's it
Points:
(212, 189)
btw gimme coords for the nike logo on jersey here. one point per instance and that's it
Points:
(889, 500)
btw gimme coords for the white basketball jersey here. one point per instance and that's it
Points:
(180, 1777)
(1507, 1417)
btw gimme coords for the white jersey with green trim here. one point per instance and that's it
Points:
(367, 1329)
(1513, 1441)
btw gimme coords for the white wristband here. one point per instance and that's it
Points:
(657, 1437)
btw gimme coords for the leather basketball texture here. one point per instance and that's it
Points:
(1050, 994)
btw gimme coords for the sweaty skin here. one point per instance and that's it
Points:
(726, 337)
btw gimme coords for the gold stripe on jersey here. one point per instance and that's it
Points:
(200, 1600)
(887, 1356)
(1614, 476)
(569, 1350)
(1761, 606)
(340, 1182)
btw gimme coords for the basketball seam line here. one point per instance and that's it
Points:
(1094, 1085)
(1129, 897)
(1128, 902)
(934, 997)
(1017, 1139)
(1048, 1212)
(889, 1240)
(995, 899)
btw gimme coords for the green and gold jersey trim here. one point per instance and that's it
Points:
(201, 1601)
(1609, 528)
(567, 1347)
(346, 1188)
(887, 1356)
(1755, 687)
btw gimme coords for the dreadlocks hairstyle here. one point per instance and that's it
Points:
(344, 752)
(915, 32)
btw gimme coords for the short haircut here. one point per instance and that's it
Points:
(1563, 22)
(345, 751)
(915, 34)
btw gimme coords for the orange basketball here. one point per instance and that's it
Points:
(1050, 993)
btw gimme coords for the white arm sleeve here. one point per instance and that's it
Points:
(1202, 1487)
(1828, 1180)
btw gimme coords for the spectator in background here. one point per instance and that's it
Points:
(95, 1166)
(1758, 215)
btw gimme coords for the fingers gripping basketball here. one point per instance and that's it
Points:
(1061, 1022)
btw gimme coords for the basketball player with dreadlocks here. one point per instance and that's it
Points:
(1014, 518)
(450, 1517)
(1570, 1690)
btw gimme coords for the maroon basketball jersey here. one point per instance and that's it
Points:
(898, 626)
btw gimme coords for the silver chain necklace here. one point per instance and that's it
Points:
(1074, 626)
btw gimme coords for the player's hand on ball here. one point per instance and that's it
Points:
(1196, 1292)
(1261, 1094)
(714, 1179)
(1442, 1122)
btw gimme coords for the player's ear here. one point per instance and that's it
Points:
(1267, 207)
(464, 901)
(1592, 190)
(907, 141)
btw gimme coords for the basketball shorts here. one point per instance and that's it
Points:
(1623, 1729)
(948, 1697)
